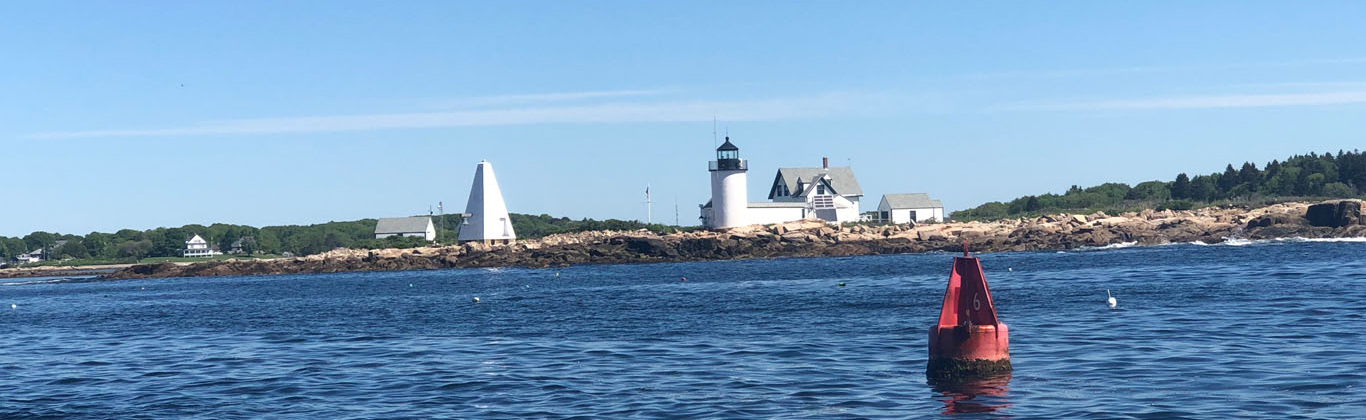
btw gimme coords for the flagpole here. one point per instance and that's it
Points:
(649, 210)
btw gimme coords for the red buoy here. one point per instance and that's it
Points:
(968, 340)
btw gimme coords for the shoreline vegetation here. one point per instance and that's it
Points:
(1299, 178)
(815, 238)
(238, 242)
(1225, 205)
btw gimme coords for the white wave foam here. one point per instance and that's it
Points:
(23, 283)
(1227, 241)
(1230, 241)
(1120, 245)
(1298, 239)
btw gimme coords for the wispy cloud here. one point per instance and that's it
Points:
(1082, 72)
(787, 108)
(1204, 102)
(545, 98)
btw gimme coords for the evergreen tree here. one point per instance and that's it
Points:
(1181, 187)
(1250, 175)
(1272, 169)
(1202, 188)
(1228, 180)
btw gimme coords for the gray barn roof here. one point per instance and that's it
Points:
(911, 201)
(396, 225)
(841, 179)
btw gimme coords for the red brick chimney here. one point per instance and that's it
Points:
(825, 162)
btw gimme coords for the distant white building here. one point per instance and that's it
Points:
(420, 227)
(826, 193)
(914, 207)
(240, 245)
(486, 215)
(198, 247)
(30, 257)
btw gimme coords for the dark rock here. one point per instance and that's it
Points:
(654, 247)
(1335, 213)
(1269, 220)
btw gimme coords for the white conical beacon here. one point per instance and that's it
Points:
(486, 217)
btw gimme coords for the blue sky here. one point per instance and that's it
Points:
(145, 114)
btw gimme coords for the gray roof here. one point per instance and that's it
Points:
(402, 225)
(841, 179)
(777, 205)
(911, 201)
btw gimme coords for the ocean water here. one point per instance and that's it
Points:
(1265, 330)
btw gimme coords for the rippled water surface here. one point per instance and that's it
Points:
(1270, 330)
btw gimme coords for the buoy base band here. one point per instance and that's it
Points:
(958, 368)
(989, 342)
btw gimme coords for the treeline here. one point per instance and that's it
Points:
(131, 245)
(1306, 176)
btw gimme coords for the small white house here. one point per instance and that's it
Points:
(914, 207)
(198, 247)
(30, 257)
(420, 227)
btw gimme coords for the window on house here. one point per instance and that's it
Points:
(820, 189)
(913, 216)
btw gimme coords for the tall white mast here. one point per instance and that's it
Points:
(649, 206)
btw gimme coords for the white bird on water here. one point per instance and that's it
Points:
(1110, 300)
(14, 306)
(476, 299)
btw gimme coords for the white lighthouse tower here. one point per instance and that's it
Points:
(486, 215)
(729, 198)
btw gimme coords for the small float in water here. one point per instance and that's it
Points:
(968, 340)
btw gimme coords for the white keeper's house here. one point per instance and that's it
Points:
(827, 193)
(420, 227)
(196, 246)
(913, 207)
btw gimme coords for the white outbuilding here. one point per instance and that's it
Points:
(420, 227)
(486, 215)
(913, 207)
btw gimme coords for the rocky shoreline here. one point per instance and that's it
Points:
(814, 238)
(60, 271)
